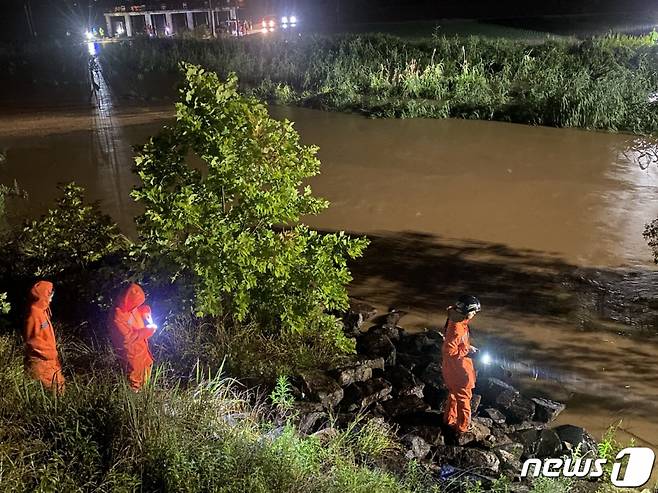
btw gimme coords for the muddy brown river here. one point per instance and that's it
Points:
(544, 225)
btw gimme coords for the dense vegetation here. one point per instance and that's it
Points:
(602, 83)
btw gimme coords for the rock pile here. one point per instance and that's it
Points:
(397, 377)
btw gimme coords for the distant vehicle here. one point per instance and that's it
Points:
(267, 23)
(271, 22)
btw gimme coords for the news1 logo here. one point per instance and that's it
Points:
(632, 467)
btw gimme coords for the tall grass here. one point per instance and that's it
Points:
(208, 434)
(602, 83)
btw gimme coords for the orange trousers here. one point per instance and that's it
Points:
(457, 413)
(138, 376)
(48, 372)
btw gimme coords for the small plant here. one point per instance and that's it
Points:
(281, 396)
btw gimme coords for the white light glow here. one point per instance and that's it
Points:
(271, 23)
(264, 24)
(91, 48)
(293, 19)
(88, 35)
(486, 359)
(284, 20)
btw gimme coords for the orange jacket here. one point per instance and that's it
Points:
(38, 333)
(128, 331)
(458, 369)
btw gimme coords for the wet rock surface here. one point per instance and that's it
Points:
(396, 377)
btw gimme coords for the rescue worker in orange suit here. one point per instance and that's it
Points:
(131, 326)
(41, 359)
(457, 365)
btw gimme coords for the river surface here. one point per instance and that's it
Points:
(544, 225)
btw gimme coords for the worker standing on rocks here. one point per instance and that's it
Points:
(131, 326)
(41, 359)
(457, 366)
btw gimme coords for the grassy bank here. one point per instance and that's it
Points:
(203, 434)
(603, 83)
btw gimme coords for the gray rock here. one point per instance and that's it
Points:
(435, 396)
(477, 432)
(515, 449)
(393, 317)
(478, 461)
(498, 393)
(359, 371)
(574, 437)
(494, 414)
(357, 315)
(404, 382)
(361, 395)
(431, 434)
(310, 422)
(546, 410)
(520, 409)
(411, 361)
(377, 345)
(432, 374)
(541, 444)
(322, 387)
(475, 403)
(417, 448)
(488, 422)
(404, 406)
(508, 462)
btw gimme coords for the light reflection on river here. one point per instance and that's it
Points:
(504, 211)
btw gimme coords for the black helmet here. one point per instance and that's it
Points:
(466, 304)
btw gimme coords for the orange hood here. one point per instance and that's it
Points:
(40, 294)
(131, 298)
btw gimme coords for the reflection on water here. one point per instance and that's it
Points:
(512, 213)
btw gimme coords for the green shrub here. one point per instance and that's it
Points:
(73, 244)
(221, 189)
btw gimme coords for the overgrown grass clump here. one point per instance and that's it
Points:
(202, 434)
(602, 83)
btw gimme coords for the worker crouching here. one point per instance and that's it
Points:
(41, 358)
(131, 326)
(458, 369)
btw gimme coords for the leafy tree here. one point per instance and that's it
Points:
(222, 192)
(73, 244)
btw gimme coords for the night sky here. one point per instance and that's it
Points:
(54, 17)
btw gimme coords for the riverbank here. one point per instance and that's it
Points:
(603, 83)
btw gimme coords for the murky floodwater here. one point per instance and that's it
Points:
(543, 224)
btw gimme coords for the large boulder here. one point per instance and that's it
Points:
(546, 410)
(497, 393)
(404, 382)
(359, 371)
(575, 437)
(361, 395)
(404, 406)
(521, 409)
(322, 388)
(374, 344)
(540, 444)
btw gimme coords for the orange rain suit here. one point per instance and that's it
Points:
(41, 360)
(130, 328)
(458, 373)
